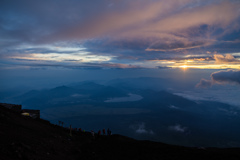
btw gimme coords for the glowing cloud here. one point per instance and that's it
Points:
(228, 58)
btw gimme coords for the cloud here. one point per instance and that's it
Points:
(178, 128)
(125, 19)
(118, 65)
(70, 64)
(228, 58)
(130, 31)
(140, 129)
(227, 94)
(229, 76)
(160, 25)
(163, 67)
(229, 112)
(204, 83)
(134, 15)
(173, 107)
(221, 77)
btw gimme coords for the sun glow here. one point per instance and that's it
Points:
(184, 66)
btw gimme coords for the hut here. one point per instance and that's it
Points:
(32, 113)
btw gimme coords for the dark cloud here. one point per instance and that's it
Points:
(163, 67)
(70, 65)
(179, 42)
(30, 21)
(204, 83)
(229, 76)
(134, 49)
(221, 77)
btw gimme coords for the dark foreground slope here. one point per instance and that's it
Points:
(26, 138)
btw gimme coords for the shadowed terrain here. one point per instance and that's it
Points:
(27, 138)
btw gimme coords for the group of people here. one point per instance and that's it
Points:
(109, 132)
(60, 123)
(103, 132)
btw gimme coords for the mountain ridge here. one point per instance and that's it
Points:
(27, 138)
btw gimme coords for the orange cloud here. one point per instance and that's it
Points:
(221, 14)
(165, 26)
(150, 19)
(223, 59)
(135, 15)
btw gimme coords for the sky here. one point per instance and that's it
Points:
(120, 34)
(47, 39)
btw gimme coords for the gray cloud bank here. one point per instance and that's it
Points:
(229, 76)
(178, 128)
(221, 77)
(141, 129)
(204, 83)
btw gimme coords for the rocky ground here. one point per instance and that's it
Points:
(37, 139)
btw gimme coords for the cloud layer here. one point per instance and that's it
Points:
(221, 77)
(132, 33)
(229, 76)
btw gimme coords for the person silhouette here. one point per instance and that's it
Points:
(109, 132)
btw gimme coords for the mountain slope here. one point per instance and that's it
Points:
(26, 138)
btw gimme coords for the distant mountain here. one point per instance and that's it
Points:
(60, 92)
(165, 100)
(153, 83)
(26, 96)
(139, 83)
(84, 92)
(90, 86)
(44, 97)
(64, 95)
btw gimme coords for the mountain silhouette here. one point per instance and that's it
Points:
(27, 138)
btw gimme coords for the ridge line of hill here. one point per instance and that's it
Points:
(28, 138)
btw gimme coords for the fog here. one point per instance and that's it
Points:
(39, 78)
